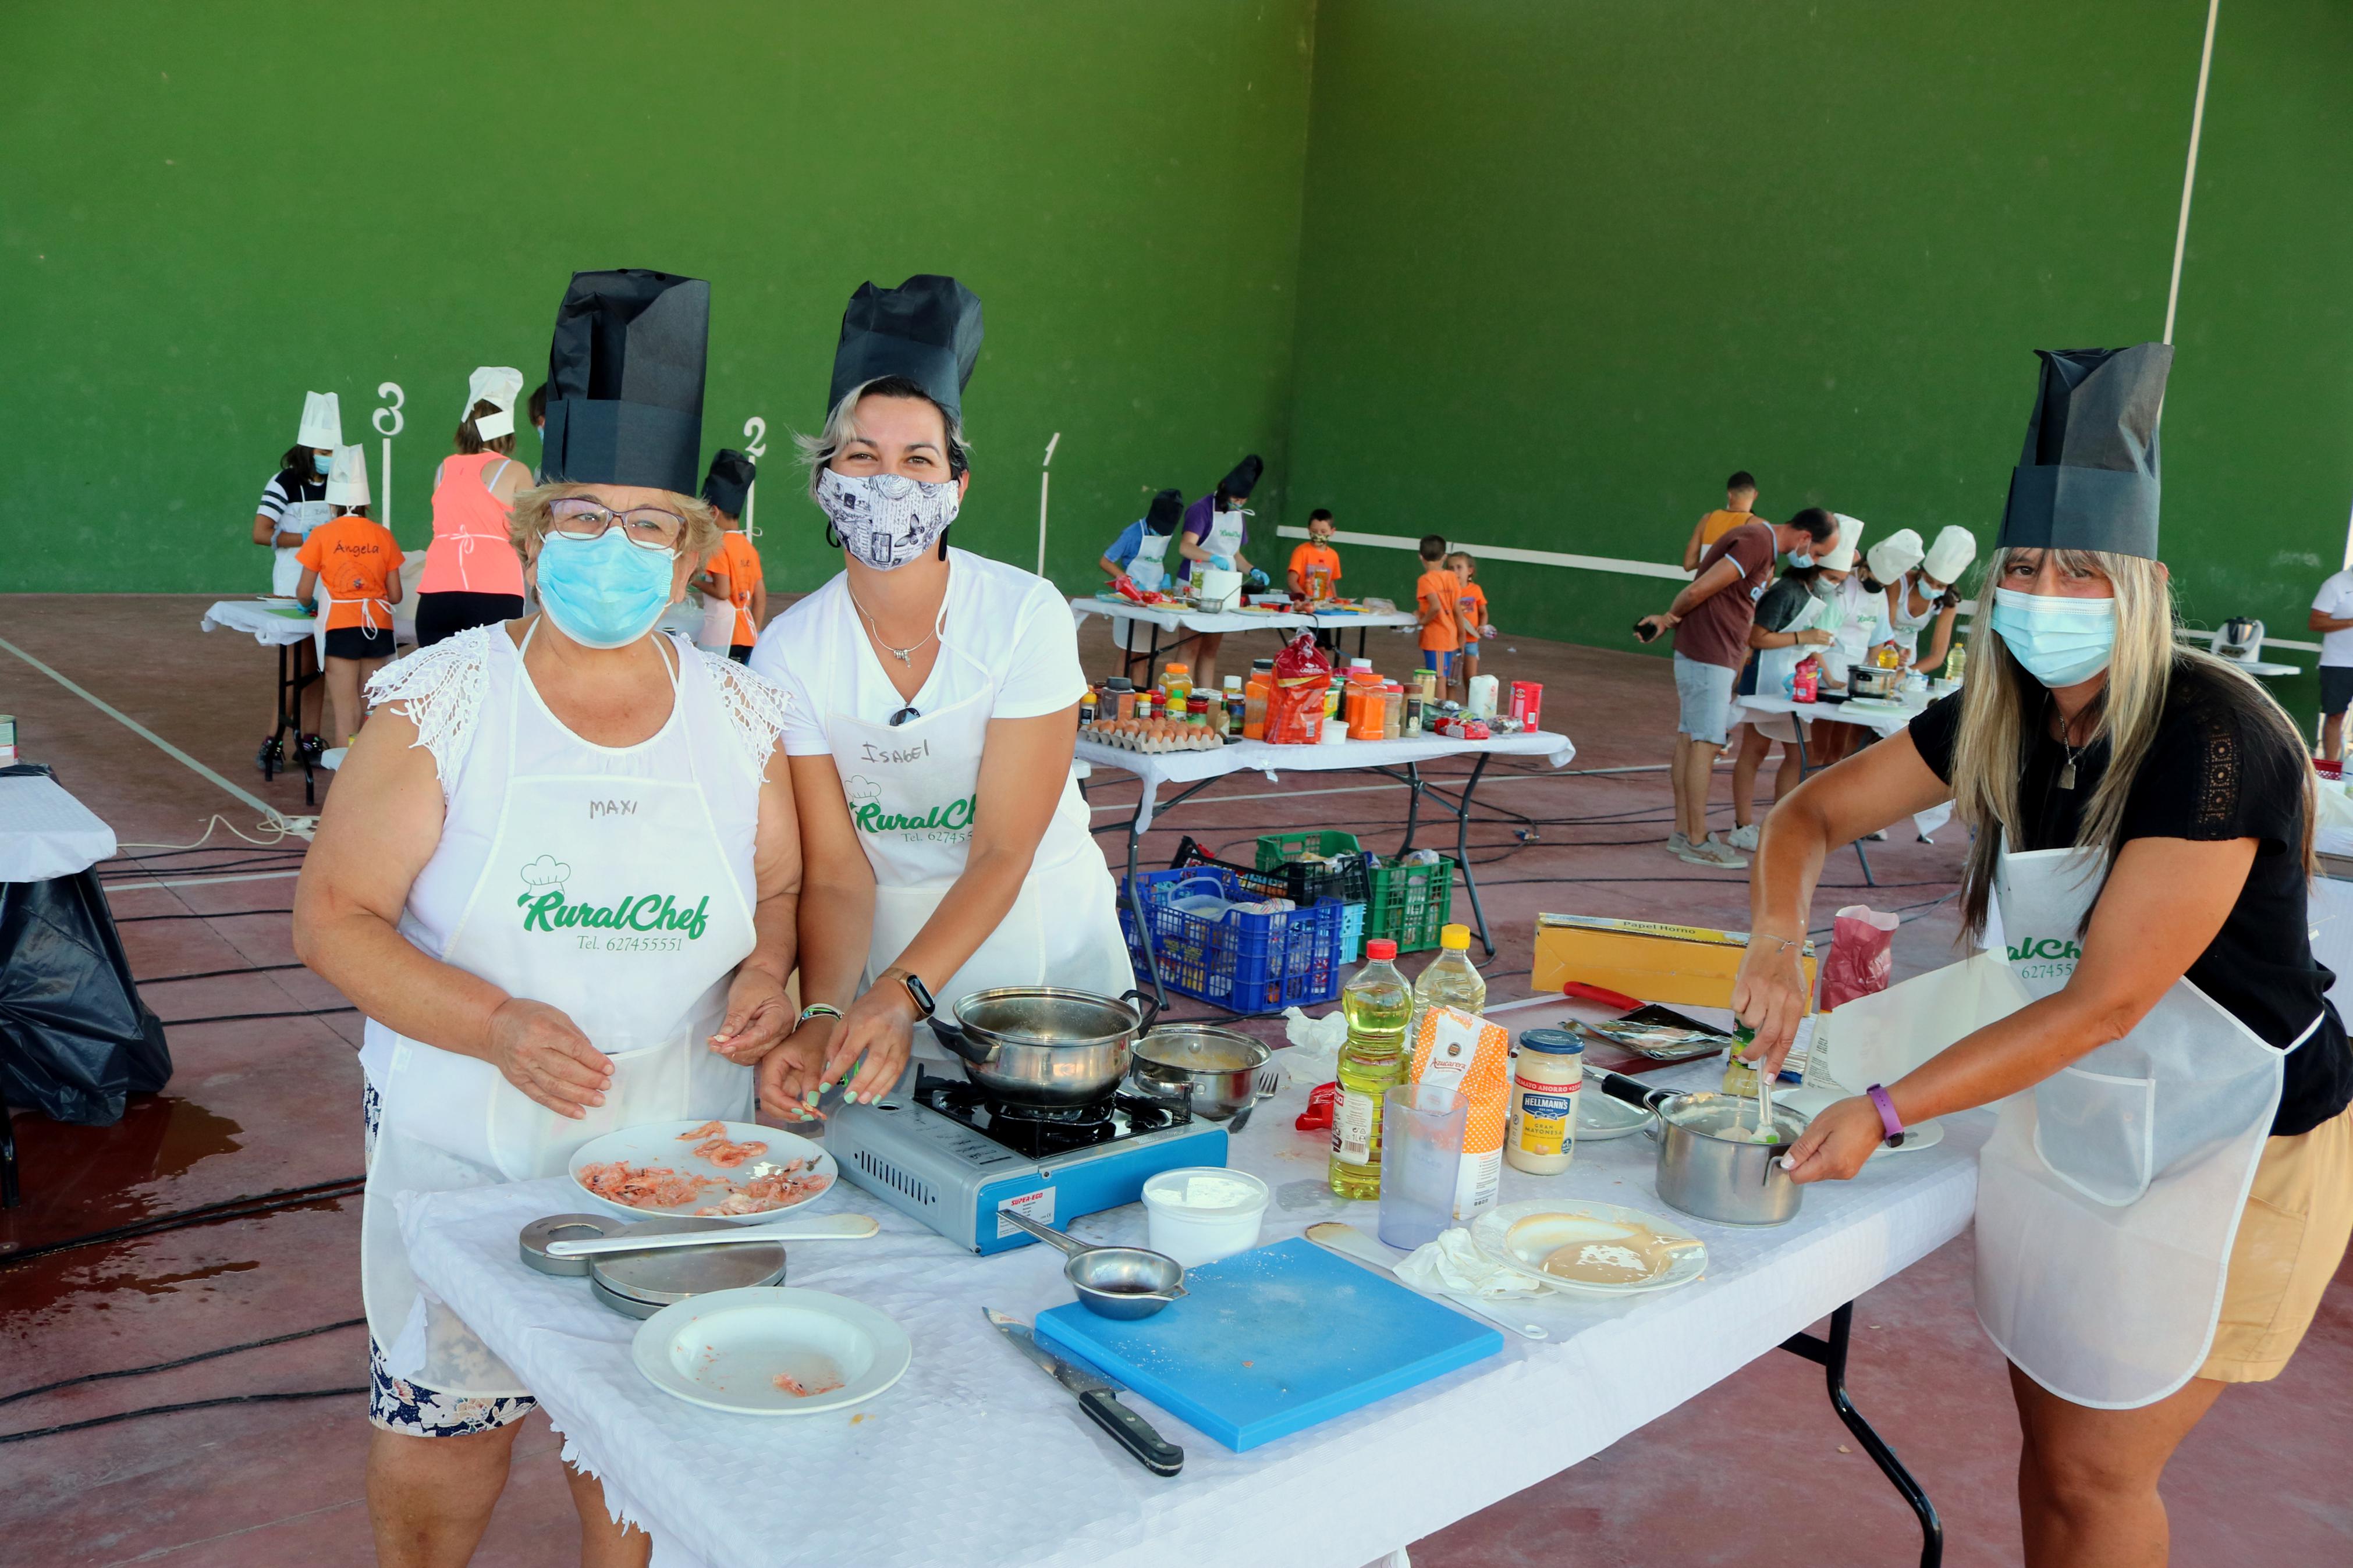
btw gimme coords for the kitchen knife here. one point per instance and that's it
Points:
(1355, 1246)
(1098, 1396)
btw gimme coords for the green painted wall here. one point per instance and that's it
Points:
(206, 209)
(1569, 264)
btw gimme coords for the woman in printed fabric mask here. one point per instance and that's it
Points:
(935, 711)
(292, 504)
(559, 874)
(2169, 1185)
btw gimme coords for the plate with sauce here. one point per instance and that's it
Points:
(1591, 1248)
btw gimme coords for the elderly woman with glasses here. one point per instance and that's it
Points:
(559, 874)
(935, 711)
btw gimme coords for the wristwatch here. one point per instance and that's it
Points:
(920, 994)
(1891, 1123)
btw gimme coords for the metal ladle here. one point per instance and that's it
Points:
(1124, 1282)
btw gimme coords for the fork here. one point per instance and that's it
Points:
(1269, 1083)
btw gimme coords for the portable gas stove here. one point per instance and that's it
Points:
(953, 1157)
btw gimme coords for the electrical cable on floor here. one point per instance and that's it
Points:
(217, 973)
(249, 1207)
(204, 915)
(184, 1361)
(278, 832)
(163, 873)
(175, 1409)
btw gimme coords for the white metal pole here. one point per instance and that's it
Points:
(386, 519)
(1044, 476)
(2189, 172)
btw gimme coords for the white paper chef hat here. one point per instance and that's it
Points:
(495, 383)
(323, 420)
(1950, 556)
(1895, 554)
(1840, 557)
(347, 478)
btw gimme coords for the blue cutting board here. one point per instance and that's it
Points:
(1267, 1343)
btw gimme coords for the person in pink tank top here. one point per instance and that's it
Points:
(472, 575)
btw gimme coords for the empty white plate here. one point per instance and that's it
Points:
(1598, 1117)
(659, 1144)
(746, 1351)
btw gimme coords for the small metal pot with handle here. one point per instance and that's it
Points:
(1212, 1071)
(1043, 1045)
(1709, 1166)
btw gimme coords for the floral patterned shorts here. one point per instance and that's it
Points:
(412, 1409)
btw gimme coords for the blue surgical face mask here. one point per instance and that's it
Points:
(2060, 641)
(322, 461)
(1800, 560)
(604, 592)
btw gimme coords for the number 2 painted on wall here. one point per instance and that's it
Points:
(389, 419)
(756, 438)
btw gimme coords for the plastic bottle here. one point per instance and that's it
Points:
(1451, 980)
(1088, 708)
(1177, 683)
(1378, 1006)
(1956, 664)
(1261, 681)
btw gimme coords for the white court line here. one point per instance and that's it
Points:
(269, 812)
(198, 881)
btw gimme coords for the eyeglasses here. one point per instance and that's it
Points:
(903, 714)
(648, 528)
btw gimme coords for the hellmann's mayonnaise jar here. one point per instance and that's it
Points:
(1540, 1135)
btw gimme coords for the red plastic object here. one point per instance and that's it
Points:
(1602, 994)
(1321, 1101)
(1125, 588)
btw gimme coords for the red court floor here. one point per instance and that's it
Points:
(1756, 1471)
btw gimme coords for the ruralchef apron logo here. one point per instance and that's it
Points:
(866, 810)
(2046, 957)
(544, 906)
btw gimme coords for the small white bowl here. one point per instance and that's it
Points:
(1196, 1232)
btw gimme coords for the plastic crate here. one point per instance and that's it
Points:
(1262, 884)
(1276, 849)
(1409, 904)
(1250, 963)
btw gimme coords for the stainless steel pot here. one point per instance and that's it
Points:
(1708, 1165)
(1212, 1071)
(1041, 1045)
(1870, 681)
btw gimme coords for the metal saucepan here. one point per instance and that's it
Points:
(1871, 681)
(1212, 1071)
(1042, 1045)
(1125, 1282)
(1708, 1163)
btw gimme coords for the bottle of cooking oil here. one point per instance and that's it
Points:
(1451, 980)
(1377, 1005)
(1740, 1077)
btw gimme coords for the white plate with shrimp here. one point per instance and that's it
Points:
(734, 1171)
(771, 1350)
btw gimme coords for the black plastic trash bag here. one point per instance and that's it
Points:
(74, 1037)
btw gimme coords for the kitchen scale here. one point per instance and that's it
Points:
(951, 1156)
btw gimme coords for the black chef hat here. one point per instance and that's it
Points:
(728, 480)
(927, 330)
(1167, 509)
(1237, 485)
(2088, 478)
(625, 380)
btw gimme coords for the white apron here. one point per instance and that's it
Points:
(299, 518)
(1903, 627)
(1149, 570)
(913, 789)
(376, 616)
(1225, 535)
(717, 632)
(1775, 665)
(1862, 614)
(2110, 1192)
(607, 895)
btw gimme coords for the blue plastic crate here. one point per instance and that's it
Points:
(1248, 963)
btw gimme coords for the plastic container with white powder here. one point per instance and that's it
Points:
(1199, 1214)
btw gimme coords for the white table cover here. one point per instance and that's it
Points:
(1924, 823)
(975, 1457)
(1179, 617)
(265, 625)
(1157, 768)
(45, 832)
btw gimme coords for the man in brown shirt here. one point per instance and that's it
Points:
(1710, 618)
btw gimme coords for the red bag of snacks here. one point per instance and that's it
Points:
(1862, 954)
(1294, 707)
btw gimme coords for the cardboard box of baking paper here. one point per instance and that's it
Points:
(1693, 965)
(1462, 1051)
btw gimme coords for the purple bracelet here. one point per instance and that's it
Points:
(1891, 1123)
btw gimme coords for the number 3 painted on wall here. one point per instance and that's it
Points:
(388, 420)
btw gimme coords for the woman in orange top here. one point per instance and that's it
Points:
(472, 575)
(357, 561)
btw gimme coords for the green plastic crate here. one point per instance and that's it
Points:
(1276, 849)
(1410, 904)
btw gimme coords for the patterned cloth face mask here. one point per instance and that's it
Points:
(887, 519)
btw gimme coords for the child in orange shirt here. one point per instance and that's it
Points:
(1438, 597)
(1315, 565)
(1475, 624)
(357, 560)
(733, 572)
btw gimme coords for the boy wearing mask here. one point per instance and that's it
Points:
(1315, 565)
